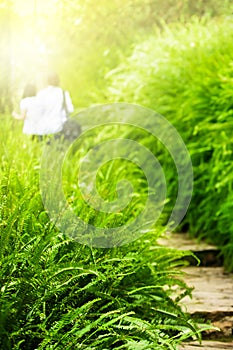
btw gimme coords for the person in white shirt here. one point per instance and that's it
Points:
(29, 111)
(55, 105)
(45, 113)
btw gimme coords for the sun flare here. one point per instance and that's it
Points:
(30, 7)
(29, 37)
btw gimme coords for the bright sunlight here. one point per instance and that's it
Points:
(29, 7)
(30, 49)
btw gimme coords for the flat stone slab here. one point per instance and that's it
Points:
(182, 241)
(207, 345)
(207, 254)
(212, 299)
(212, 294)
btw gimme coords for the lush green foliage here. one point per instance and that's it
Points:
(81, 39)
(186, 74)
(56, 293)
(92, 42)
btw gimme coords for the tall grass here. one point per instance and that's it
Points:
(185, 72)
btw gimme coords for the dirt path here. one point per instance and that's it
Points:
(212, 299)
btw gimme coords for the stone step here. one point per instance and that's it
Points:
(209, 255)
(207, 345)
(212, 298)
(212, 295)
(213, 291)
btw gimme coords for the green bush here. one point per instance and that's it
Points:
(185, 73)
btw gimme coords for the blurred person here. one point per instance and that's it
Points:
(29, 111)
(47, 112)
(55, 106)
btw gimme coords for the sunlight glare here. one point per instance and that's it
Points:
(31, 49)
(29, 7)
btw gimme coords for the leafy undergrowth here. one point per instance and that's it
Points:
(185, 73)
(58, 294)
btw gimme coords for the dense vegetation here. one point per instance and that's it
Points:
(56, 293)
(186, 74)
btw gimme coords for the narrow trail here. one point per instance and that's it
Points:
(212, 297)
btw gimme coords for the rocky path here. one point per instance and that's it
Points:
(212, 297)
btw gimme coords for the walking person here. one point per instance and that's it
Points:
(47, 112)
(55, 105)
(29, 111)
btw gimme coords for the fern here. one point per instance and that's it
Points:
(58, 294)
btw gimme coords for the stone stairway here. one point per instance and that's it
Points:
(212, 297)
